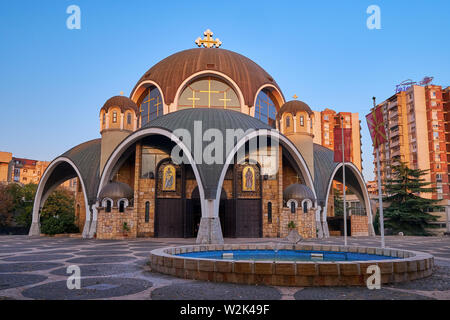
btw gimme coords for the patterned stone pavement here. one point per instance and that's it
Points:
(36, 268)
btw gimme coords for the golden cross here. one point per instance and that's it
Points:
(225, 99)
(208, 41)
(209, 92)
(295, 96)
(121, 93)
(156, 105)
(193, 98)
(148, 107)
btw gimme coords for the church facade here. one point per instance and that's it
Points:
(205, 146)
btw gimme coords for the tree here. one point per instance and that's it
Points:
(6, 206)
(338, 203)
(57, 215)
(408, 211)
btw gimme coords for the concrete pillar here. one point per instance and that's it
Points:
(318, 223)
(210, 231)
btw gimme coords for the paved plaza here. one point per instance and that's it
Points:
(36, 268)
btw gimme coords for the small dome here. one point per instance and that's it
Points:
(122, 102)
(293, 107)
(298, 192)
(116, 190)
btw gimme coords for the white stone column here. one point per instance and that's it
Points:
(318, 223)
(295, 123)
(326, 232)
(210, 231)
(121, 120)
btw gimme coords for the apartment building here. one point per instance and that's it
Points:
(417, 122)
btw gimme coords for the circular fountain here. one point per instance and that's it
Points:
(290, 265)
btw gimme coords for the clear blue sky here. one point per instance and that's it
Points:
(54, 81)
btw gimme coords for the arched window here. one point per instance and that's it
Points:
(305, 207)
(151, 105)
(104, 119)
(302, 121)
(288, 122)
(114, 117)
(293, 208)
(121, 206)
(147, 211)
(128, 118)
(108, 206)
(209, 92)
(269, 212)
(265, 109)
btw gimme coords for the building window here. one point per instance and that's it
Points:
(305, 207)
(114, 117)
(129, 118)
(209, 92)
(293, 208)
(108, 206)
(121, 206)
(288, 122)
(265, 109)
(104, 119)
(269, 212)
(302, 121)
(325, 118)
(147, 212)
(151, 105)
(436, 135)
(438, 177)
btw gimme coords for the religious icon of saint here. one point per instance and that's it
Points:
(169, 175)
(248, 179)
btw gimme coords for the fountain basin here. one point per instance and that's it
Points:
(292, 265)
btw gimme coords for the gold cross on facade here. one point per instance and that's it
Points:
(208, 41)
(157, 104)
(209, 92)
(225, 99)
(148, 107)
(193, 99)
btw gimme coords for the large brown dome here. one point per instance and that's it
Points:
(170, 73)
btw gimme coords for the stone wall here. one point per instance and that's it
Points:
(305, 222)
(359, 226)
(110, 224)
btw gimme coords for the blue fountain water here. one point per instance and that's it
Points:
(285, 255)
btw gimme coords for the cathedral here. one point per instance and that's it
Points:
(148, 176)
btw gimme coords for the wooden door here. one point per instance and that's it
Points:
(248, 218)
(169, 222)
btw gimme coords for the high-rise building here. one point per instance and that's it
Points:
(417, 123)
(327, 120)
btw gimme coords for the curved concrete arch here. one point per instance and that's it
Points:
(134, 137)
(41, 197)
(141, 88)
(264, 132)
(365, 196)
(280, 99)
(206, 73)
